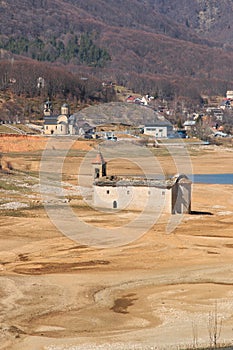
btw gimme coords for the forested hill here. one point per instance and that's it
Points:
(168, 48)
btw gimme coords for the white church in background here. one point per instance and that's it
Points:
(62, 124)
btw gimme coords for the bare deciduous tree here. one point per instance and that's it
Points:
(195, 335)
(214, 327)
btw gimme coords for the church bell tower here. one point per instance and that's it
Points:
(48, 109)
(99, 166)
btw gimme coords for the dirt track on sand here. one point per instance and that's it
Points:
(159, 291)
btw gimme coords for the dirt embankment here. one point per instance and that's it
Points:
(26, 143)
(14, 147)
(21, 143)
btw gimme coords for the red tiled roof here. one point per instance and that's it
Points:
(131, 99)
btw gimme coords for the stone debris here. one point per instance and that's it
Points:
(114, 346)
(14, 205)
(51, 192)
(224, 213)
(59, 189)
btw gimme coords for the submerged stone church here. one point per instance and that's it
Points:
(139, 192)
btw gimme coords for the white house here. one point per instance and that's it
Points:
(229, 94)
(189, 124)
(159, 129)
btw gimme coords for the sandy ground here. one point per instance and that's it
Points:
(159, 291)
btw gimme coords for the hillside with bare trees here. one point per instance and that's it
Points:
(169, 49)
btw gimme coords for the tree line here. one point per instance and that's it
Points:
(25, 82)
(80, 49)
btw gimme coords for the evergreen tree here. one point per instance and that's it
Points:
(82, 51)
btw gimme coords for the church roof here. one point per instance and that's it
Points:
(141, 181)
(99, 159)
(50, 120)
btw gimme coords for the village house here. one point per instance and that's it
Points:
(131, 99)
(159, 129)
(144, 100)
(84, 129)
(189, 125)
(229, 94)
(137, 192)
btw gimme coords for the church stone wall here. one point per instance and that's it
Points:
(133, 198)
